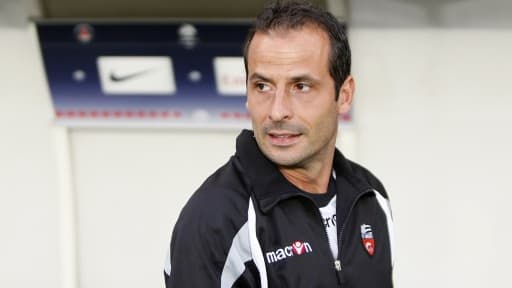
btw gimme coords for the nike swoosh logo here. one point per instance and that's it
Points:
(120, 78)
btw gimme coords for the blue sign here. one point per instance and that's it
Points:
(175, 74)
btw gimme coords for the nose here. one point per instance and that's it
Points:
(281, 107)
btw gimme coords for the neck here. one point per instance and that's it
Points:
(313, 178)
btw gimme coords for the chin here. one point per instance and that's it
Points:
(283, 159)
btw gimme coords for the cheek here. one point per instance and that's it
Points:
(320, 117)
(257, 109)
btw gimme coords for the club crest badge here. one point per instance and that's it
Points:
(367, 239)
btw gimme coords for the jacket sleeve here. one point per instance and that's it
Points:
(195, 257)
(201, 247)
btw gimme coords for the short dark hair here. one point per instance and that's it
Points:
(294, 15)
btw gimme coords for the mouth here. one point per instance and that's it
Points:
(283, 138)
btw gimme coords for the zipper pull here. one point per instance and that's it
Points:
(337, 265)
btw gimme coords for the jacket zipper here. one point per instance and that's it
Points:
(340, 239)
(337, 263)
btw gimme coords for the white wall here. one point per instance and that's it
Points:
(131, 185)
(434, 120)
(28, 181)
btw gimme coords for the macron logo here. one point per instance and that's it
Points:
(297, 248)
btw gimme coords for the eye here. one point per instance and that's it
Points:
(262, 87)
(302, 87)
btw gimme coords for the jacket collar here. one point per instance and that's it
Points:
(269, 186)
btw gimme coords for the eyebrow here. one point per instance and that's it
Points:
(298, 78)
(257, 76)
(303, 77)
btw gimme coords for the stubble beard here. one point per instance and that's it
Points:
(277, 154)
(299, 159)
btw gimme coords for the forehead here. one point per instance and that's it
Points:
(307, 45)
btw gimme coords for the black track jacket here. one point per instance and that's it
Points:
(247, 226)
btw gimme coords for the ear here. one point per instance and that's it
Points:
(346, 95)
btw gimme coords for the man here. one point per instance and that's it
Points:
(288, 210)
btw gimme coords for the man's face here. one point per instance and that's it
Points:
(291, 96)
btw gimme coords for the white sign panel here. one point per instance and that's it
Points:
(229, 75)
(136, 75)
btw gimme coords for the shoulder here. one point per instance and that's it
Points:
(206, 229)
(365, 174)
(219, 205)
